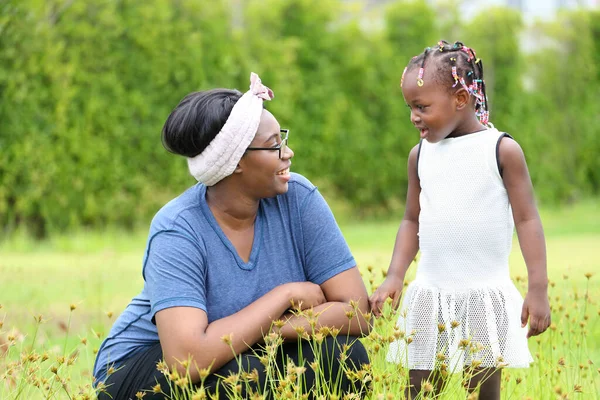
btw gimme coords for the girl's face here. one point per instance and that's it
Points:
(434, 111)
(266, 174)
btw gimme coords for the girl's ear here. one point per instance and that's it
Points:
(462, 98)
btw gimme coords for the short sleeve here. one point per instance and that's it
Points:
(174, 272)
(326, 251)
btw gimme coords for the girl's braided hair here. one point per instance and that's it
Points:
(455, 64)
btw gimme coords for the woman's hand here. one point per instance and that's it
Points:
(392, 288)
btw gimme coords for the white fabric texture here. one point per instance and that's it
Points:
(221, 156)
(462, 305)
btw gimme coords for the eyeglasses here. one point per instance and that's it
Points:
(281, 147)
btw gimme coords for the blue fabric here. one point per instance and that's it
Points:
(190, 262)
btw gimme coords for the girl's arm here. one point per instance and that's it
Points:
(185, 331)
(407, 242)
(518, 185)
(346, 308)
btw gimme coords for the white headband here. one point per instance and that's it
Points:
(221, 156)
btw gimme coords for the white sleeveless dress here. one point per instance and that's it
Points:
(462, 303)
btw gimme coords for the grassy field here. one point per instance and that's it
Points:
(64, 293)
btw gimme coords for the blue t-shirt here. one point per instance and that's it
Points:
(190, 262)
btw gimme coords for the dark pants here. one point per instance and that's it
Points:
(139, 373)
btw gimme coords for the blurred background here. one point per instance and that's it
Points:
(85, 87)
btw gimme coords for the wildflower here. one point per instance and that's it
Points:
(557, 390)
(73, 307)
(227, 339)
(319, 337)
(162, 367)
(109, 314)
(140, 395)
(518, 380)
(204, 372)
(231, 379)
(324, 330)
(427, 387)
(182, 382)
(561, 361)
(156, 388)
(454, 324)
(200, 394)
(588, 275)
(350, 314)
(173, 375)
(441, 327)
(578, 389)
(300, 330)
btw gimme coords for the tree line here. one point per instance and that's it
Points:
(86, 86)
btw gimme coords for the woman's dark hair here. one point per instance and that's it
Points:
(197, 119)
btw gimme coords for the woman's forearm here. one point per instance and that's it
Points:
(348, 318)
(225, 338)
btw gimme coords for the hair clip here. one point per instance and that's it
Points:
(420, 77)
(402, 78)
(455, 76)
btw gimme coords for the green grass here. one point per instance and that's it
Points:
(98, 273)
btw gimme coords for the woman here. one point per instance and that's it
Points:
(226, 260)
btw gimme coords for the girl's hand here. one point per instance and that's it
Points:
(392, 288)
(536, 308)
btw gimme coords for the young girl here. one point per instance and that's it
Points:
(468, 183)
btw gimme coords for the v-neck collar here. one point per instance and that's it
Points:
(217, 228)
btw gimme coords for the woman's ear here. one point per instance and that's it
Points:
(462, 98)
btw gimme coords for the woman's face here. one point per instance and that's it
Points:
(266, 174)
